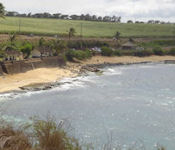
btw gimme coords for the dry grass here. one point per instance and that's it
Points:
(11, 139)
(47, 135)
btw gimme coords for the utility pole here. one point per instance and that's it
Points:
(19, 30)
(81, 31)
(81, 34)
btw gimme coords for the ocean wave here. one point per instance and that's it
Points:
(62, 85)
(111, 71)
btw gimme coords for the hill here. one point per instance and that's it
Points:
(89, 28)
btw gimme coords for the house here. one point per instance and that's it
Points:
(46, 51)
(11, 54)
(42, 52)
(129, 46)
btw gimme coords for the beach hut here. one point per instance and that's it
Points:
(129, 46)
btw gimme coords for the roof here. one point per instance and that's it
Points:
(129, 44)
(13, 52)
(45, 49)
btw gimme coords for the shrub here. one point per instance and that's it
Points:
(172, 52)
(1, 54)
(143, 53)
(82, 44)
(26, 49)
(52, 136)
(158, 51)
(13, 139)
(78, 54)
(158, 43)
(117, 53)
(127, 52)
(106, 51)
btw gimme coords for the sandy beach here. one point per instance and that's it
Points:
(48, 75)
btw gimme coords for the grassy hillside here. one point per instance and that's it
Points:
(90, 29)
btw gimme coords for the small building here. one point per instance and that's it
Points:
(36, 53)
(11, 54)
(46, 52)
(129, 46)
(42, 52)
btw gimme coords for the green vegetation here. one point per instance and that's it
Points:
(78, 54)
(89, 28)
(26, 49)
(158, 43)
(172, 52)
(2, 10)
(106, 51)
(158, 51)
(45, 135)
(71, 32)
(80, 49)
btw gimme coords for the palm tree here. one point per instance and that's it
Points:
(71, 32)
(2, 10)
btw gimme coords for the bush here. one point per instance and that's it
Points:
(158, 51)
(26, 49)
(172, 52)
(158, 43)
(143, 53)
(117, 53)
(78, 54)
(51, 136)
(13, 139)
(41, 135)
(106, 51)
(82, 44)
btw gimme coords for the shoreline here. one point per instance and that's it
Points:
(46, 78)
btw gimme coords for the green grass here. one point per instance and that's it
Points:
(90, 28)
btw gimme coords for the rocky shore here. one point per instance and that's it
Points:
(47, 78)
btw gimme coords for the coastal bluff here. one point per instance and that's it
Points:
(13, 67)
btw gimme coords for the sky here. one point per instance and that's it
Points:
(141, 10)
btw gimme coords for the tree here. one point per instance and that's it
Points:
(12, 38)
(26, 49)
(2, 11)
(71, 32)
(117, 35)
(129, 21)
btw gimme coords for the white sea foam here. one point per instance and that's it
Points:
(111, 71)
(63, 85)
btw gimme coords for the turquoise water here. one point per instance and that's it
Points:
(133, 104)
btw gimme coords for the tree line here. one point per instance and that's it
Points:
(87, 17)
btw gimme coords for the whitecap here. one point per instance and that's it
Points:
(111, 71)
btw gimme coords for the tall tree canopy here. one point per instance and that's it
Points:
(2, 10)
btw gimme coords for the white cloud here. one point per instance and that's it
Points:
(134, 9)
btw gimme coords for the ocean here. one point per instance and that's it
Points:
(129, 105)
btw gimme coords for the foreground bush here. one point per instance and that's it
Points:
(51, 136)
(11, 139)
(46, 135)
